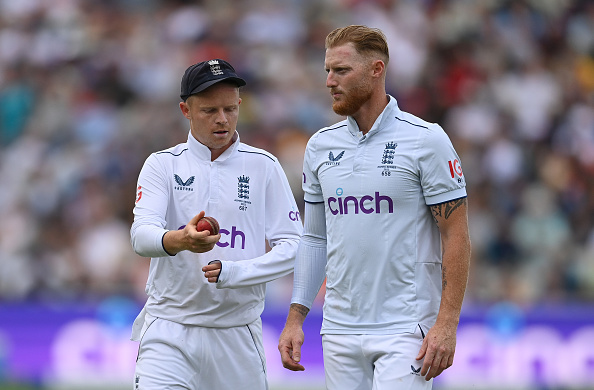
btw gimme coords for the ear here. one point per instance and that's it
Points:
(185, 109)
(379, 68)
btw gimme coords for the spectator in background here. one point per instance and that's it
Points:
(116, 65)
(16, 102)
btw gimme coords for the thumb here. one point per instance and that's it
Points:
(297, 353)
(196, 218)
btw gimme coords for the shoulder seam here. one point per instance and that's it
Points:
(410, 123)
(166, 151)
(263, 154)
(333, 128)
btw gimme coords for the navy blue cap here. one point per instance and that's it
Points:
(202, 75)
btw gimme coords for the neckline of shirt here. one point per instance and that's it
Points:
(203, 153)
(381, 121)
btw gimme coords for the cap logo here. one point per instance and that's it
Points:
(215, 68)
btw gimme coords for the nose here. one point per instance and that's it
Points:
(330, 81)
(221, 118)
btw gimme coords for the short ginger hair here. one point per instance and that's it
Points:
(365, 39)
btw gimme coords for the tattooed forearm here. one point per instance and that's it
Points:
(453, 205)
(436, 212)
(444, 280)
(299, 309)
(445, 209)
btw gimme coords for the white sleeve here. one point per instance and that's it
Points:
(152, 198)
(311, 185)
(440, 168)
(310, 264)
(283, 231)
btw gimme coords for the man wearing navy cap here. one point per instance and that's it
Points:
(200, 327)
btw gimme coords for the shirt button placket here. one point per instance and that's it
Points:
(358, 163)
(213, 183)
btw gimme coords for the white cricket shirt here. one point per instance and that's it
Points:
(384, 248)
(247, 191)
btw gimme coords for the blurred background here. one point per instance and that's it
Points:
(88, 89)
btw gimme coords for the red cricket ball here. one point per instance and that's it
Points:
(208, 223)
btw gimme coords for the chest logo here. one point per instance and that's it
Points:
(183, 185)
(332, 160)
(243, 187)
(388, 159)
(389, 152)
(243, 192)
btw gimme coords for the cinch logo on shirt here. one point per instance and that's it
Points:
(367, 204)
(235, 233)
(232, 242)
(183, 185)
(294, 215)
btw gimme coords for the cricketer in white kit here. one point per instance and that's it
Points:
(194, 334)
(367, 213)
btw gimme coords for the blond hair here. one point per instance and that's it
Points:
(365, 39)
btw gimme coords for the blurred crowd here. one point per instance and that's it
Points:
(88, 89)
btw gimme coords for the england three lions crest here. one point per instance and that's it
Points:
(243, 192)
(387, 159)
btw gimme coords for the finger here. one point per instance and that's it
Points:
(212, 274)
(212, 280)
(428, 362)
(445, 363)
(450, 361)
(198, 234)
(294, 367)
(438, 372)
(207, 237)
(211, 267)
(287, 359)
(423, 350)
(436, 368)
(204, 236)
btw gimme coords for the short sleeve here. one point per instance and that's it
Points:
(440, 169)
(311, 184)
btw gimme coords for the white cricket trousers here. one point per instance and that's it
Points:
(173, 356)
(373, 362)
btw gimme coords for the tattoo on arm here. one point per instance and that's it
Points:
(446, 209)
(444, 281)
(300, 309)
(435, 212)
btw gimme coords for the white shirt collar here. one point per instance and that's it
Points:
(384, 118)
(203, 153)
